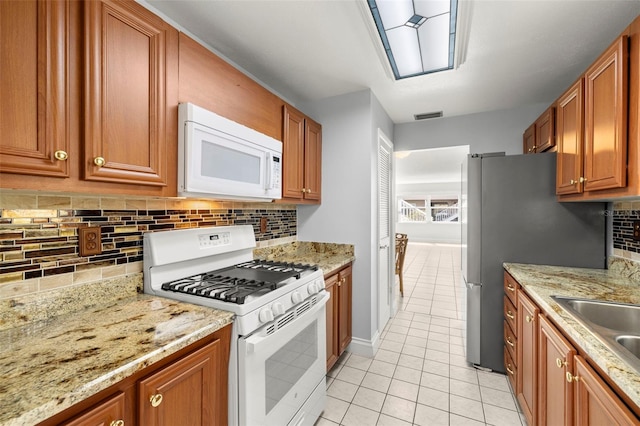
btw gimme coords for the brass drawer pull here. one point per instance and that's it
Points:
(528, 318)
(99, 161)
(509, 370)
(510, 315)
(571, 377)
(61, 155)
(560, 363)
(510, 342)
(156, 399)
(117, 423)
(511, 288)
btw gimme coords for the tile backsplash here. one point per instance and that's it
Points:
(39, 233)
(623, 215)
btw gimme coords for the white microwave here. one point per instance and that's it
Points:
(219, 158)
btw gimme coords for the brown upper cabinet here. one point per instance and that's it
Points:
(34, 51)
(540, 136)
(94, 92)
(301, 157)
(597, 157)
(529, 140)
(125, 93)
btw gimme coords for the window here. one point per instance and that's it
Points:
(429, 209)
(445, 210)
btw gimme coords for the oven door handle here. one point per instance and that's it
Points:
(254, 341)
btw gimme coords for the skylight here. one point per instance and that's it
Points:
(418, 35)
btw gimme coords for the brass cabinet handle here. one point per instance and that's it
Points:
(573, 182)
(61, 155)
(510, 287)
(582, 179)
(304, 190)
(308, 191)
(509, 370)
(560, 363)
(510, 343)
(528, 318)
(156, 399)
(117, 423)
(99, 161)
(571, 377)
(510, 315)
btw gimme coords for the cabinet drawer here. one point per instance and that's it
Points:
(510, 368)
(510, 287)
(510, 313)
(510, 340)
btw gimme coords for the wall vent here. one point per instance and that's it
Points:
(428, 115)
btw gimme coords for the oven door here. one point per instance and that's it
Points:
(278, 371)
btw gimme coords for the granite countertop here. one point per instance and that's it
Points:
(48, 365)
(541, 282)
(328, 256)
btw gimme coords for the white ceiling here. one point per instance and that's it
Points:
(509, 52)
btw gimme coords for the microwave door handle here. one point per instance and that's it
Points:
(268, 181)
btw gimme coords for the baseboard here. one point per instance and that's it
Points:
(366, 348)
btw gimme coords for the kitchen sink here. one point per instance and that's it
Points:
(621, 317)
(632, 343)
(617, 325)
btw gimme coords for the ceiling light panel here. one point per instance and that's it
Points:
(418, 36)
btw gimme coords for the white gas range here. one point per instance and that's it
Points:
(278, 349)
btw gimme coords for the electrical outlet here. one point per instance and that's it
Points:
(90, 241)
(263, 225)
(636, 230)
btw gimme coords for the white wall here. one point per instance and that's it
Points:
(493, 131)
(348, 210)
(429, 232)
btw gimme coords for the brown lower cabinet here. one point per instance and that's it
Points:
(554, 384)
(339, 286)
(188, 388)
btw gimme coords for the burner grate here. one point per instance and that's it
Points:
(235, 283)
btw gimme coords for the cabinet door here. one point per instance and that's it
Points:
(606, 119)
(570, 124)
(529, 140)
(125, 93)
(545, 130)
(333, 307)
(293, 154)
(186, 392)
(34, 87)
(107, 413)
(345, 293)
(595, 402)
(312, 160)
(555, 359)
(526, 351)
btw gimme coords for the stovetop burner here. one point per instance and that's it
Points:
(235, 283)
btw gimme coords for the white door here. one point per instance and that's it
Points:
(386, 243)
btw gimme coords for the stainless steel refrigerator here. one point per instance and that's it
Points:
(509, 213)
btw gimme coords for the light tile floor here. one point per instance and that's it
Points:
(419, 375)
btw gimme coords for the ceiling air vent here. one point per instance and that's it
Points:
(428, 115)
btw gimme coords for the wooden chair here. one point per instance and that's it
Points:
(401, 249)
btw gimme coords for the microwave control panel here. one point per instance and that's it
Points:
(276, 171)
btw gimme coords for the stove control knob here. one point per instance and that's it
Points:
(312, 288)
(296, 298)
(266, 315)
(277, 309)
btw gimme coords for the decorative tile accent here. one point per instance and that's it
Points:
(39, 232)
(623, 229)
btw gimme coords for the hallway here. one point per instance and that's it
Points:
(419, 375)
